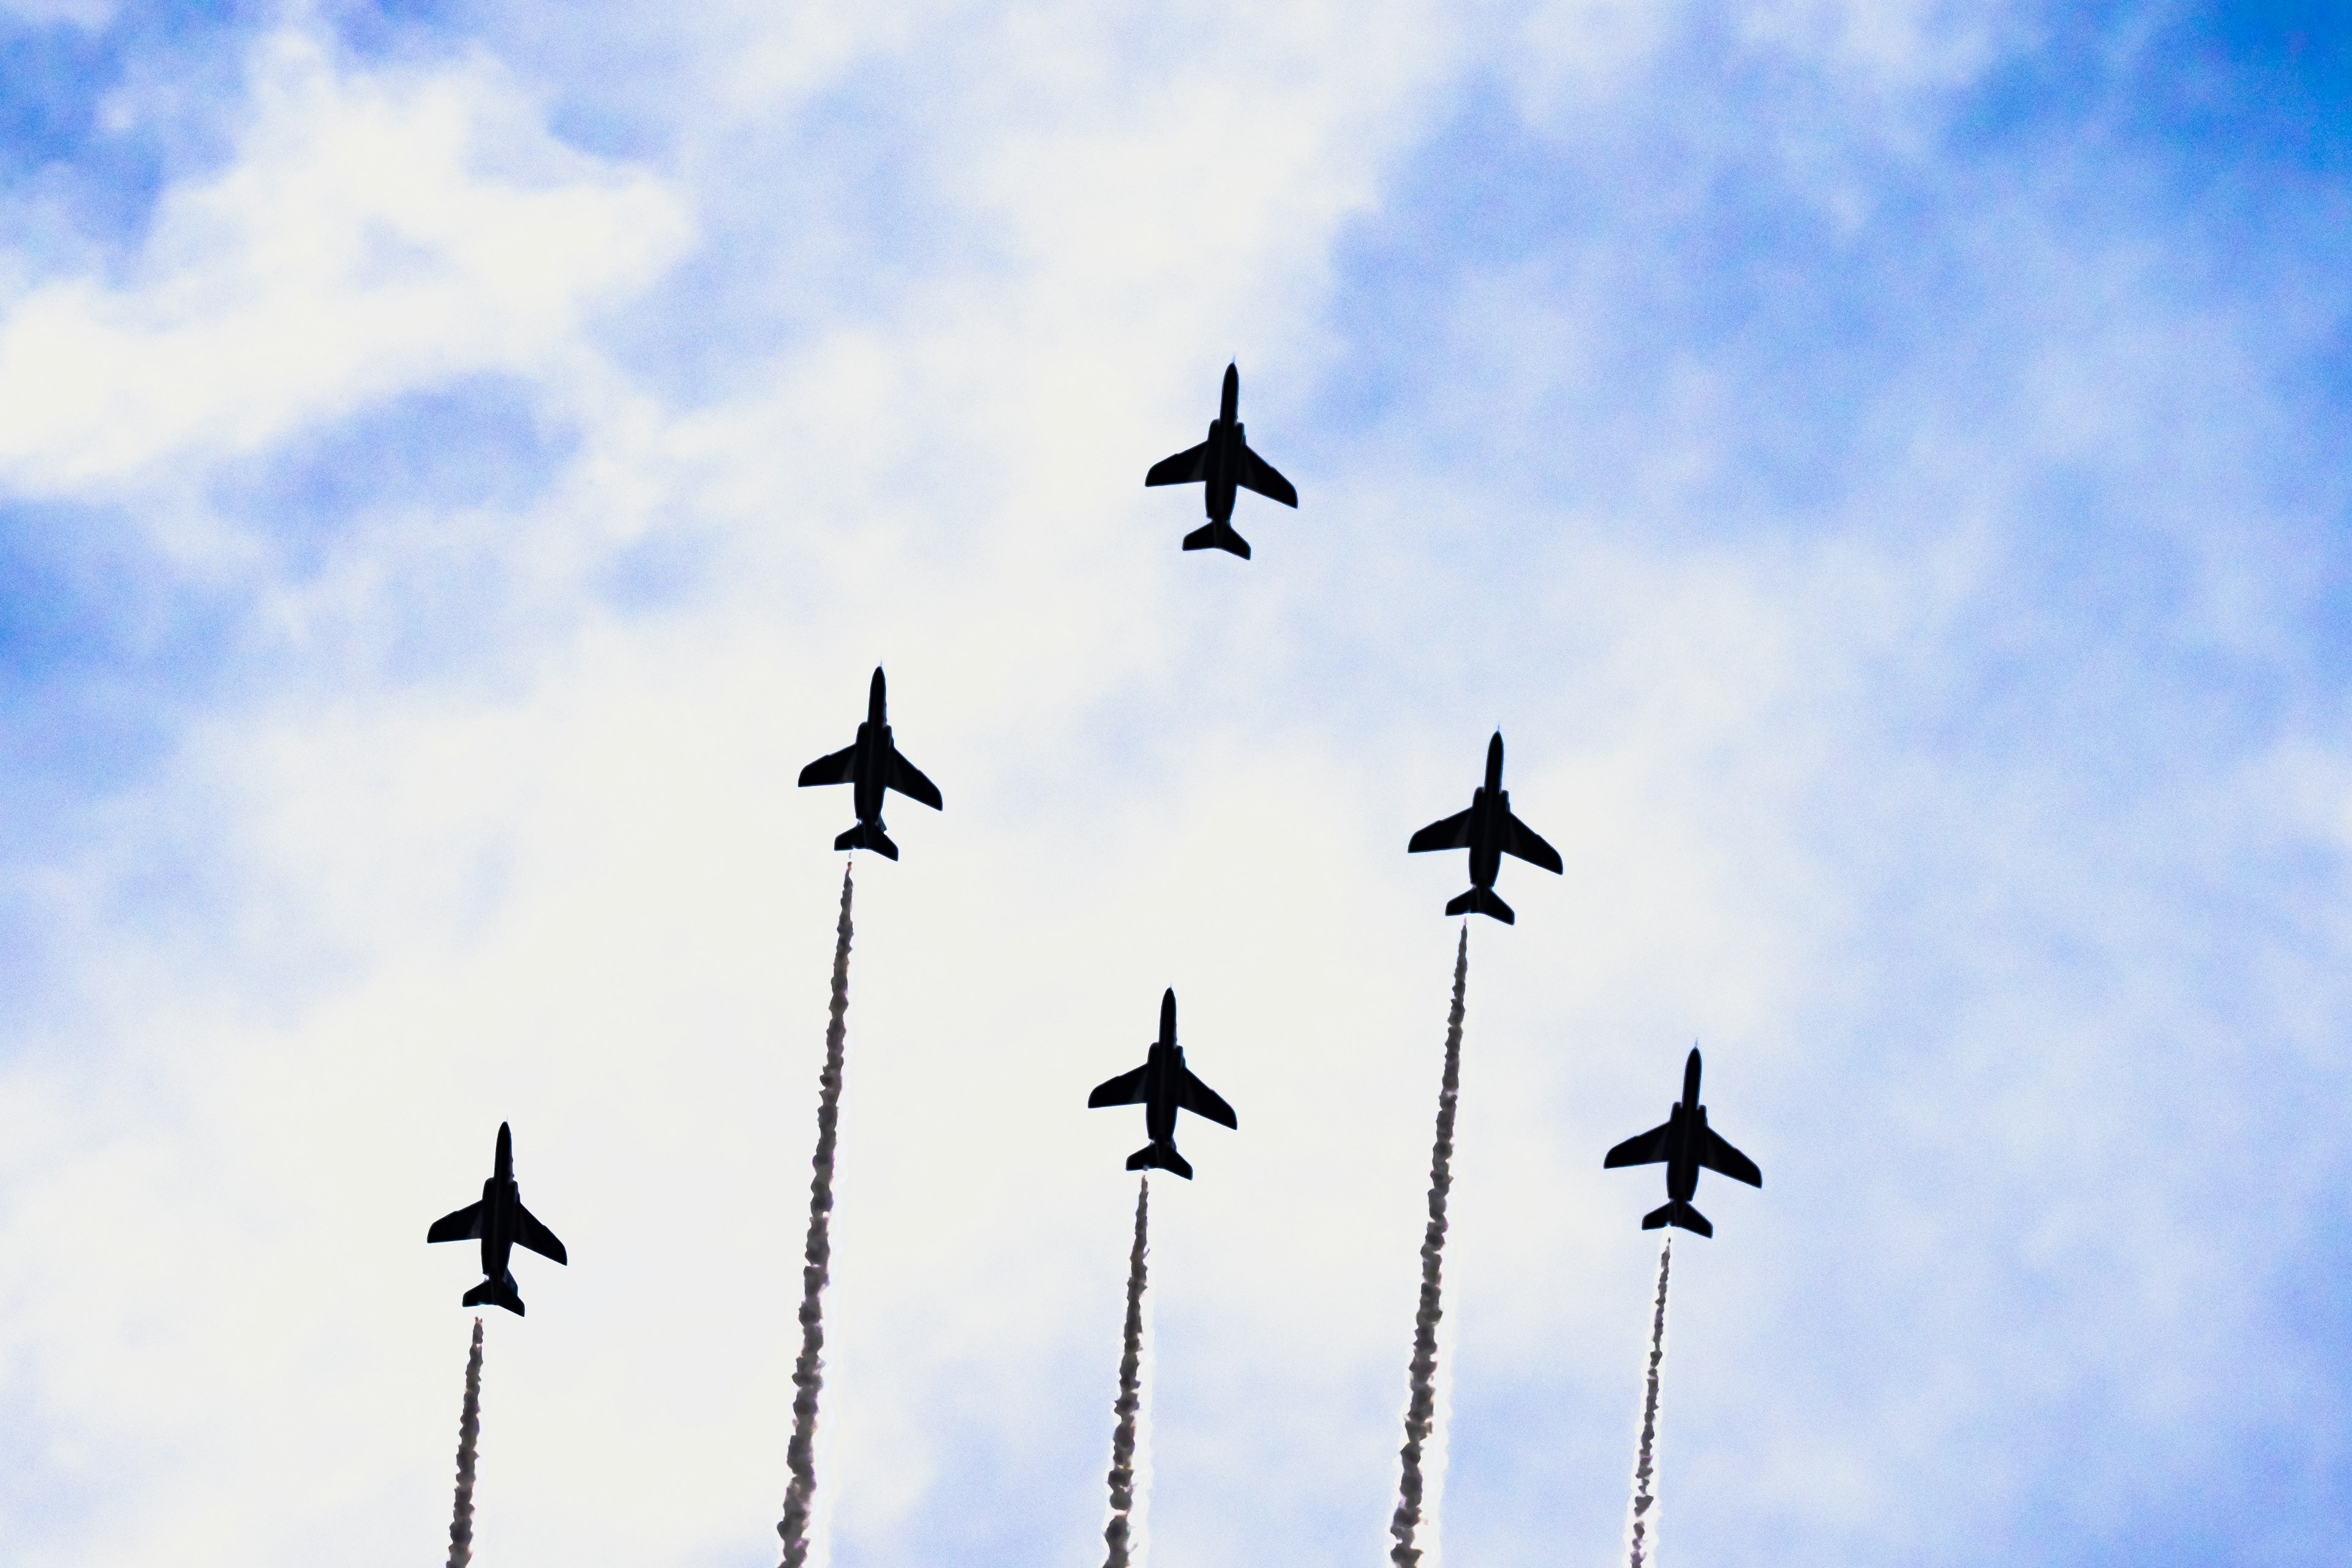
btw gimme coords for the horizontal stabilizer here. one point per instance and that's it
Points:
(1189, 467)
(497, 1293)
(1717, 1155)
(1649, 1148)
(1482, 902)
(867, 835)
(1525, 842)
(1201, 1100)
(1218, 536)
(537, 1236)
(1159, 1157)
(909, 779)
(1126, 1088)
(1677, 1213)
(466, 1224)
(835, 767)
(1258, 475)
(1449, 832)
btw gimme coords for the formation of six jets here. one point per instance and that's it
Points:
(872, 764)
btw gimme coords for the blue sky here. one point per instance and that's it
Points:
(1881, 465)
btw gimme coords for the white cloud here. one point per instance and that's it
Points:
(373, 232)
(574, 887)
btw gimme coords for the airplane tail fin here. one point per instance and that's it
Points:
(1218, 536)
(861, 837)
(497, 1293)
(1159, 1157)
(1482, 902)
(1677, 1212)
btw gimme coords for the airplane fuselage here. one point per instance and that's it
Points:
(1684, 1144)
(1163, 1072)
(1490, 810)
(1163, 1086)
(500, 1198)
(1224, 470)
(874, 749)
(1685, 1136)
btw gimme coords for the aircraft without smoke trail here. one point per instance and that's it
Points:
(1223, 463)
(871, 764)
(499, 1222)
(1489, 832)
(1683, 1144)
(1162, 1085)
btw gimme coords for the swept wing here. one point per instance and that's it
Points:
(1645, 1149)
(1258, 475)
(909, 779)
(834, 768)
(1201, 1100)
(1525, 842)
(1186, 467)
(1126, 1088)
(1453, 832)
(537, 1236)
(1717, 1155)
(466, 1224)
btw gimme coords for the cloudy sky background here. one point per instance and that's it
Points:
(1881, 465)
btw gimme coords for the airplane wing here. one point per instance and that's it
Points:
(1454, 833)
(1185, 468)
(837, 767)
(1717, 1155)
(466, 1224)
(537, 1236)
(1649, 1149)
(1525, 842)
(909, 779)
(1126, 1088)
(1201, 1100)
(1258, 475)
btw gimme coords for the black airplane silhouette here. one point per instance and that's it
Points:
(872, 764)
(1223, 462)
(1684, 1144)
(1489, 832)
(499, 1222)
(1161, 1085)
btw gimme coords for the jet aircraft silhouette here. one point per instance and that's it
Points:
(1489, 832)
(871, 764)
(1683, 1144)
(1161, 1085)
(499, 1222)
(1223, 462)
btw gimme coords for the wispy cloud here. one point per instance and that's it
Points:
(1887, 503)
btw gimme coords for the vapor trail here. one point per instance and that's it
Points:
(469, 1429)
(808, 1372)
(1131, 1397)
(1422, 1404)
(1644, 1467)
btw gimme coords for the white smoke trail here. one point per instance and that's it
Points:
(1420, 1406)
(1645, 1466)
(808, 1372)
(1116, 1534)
(469, 1429)
(1437, 1453)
